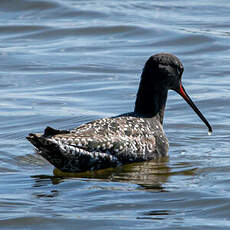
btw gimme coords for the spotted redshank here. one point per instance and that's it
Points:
(130, 137)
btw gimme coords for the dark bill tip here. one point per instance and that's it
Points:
(183, 93)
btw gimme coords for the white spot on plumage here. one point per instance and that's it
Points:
(76, 141)
(69, 141)
(83, 141)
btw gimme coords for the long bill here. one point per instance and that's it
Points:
(183, 93)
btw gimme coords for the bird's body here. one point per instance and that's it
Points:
(131, 137)
(103, 143)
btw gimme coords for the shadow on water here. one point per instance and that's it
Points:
(151, 175)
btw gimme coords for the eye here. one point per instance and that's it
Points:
(180, 70)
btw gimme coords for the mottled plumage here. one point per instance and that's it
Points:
(103, 143)
(131, 137)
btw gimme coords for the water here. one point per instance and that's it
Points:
(64, 63)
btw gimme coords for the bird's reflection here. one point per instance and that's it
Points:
(151, 175)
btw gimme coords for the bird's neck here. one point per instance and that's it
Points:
(151, 100)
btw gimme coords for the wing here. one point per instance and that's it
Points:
(126, 139)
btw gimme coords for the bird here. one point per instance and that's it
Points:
(130, 137)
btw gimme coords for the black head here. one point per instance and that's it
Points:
(162, 72)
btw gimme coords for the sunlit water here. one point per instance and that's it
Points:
(64, 63)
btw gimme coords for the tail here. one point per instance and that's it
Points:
(49, 150)
(41, 141)
(68, 158)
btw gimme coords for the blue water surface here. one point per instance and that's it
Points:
(63, 63)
